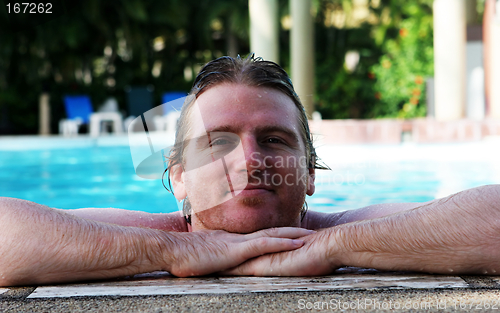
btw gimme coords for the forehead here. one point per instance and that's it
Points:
(239, 108)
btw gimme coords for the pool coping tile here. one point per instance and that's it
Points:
(164, 284)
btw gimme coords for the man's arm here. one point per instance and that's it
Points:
(162, 221)
(41, 245)
(459, 234)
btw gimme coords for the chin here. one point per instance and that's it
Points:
(240, 217)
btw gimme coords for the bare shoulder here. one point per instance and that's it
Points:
(317, 220)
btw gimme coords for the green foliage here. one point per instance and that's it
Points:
(339, 92)
(98, 47)
(396, 56)
(406, 63)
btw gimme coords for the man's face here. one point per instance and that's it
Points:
(245, 164)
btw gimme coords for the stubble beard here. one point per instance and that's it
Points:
(213, 218)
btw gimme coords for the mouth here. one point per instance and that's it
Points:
(253, 190)
(251, 186)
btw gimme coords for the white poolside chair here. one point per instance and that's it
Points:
(107, 114)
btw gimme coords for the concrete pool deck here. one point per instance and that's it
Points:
(348, 289)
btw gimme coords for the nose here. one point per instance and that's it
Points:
(253, 158)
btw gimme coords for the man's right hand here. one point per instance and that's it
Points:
(206, 252)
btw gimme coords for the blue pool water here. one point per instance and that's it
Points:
(81, 177)
(75, 174)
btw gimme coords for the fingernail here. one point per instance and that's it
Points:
(310, 231)
(298, 242)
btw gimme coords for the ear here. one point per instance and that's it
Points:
(177, 179)
(310, 182)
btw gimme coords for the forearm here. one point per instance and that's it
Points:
(41, 245)
(457, 234)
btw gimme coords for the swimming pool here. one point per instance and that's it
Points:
(85, 172)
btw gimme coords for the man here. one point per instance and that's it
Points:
(243, 163)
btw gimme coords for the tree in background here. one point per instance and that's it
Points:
(98, 47)
(406, 62)
(393, 45)
(372, 56)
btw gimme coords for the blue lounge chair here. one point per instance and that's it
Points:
(139, 100)
(78, 107)
(78, 111)
(169, 105)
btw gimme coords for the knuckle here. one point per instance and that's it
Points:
(262, 241)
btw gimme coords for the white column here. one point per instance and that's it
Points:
(264, 31)
(302, 52)
(449, 58)
(44, 114)
(494, 104)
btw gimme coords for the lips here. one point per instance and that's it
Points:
(251, 192)
(249, 186)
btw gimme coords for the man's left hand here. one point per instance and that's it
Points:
(312, 259)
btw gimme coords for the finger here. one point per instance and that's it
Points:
(266, 265)
(265, 245)
(244, 269)
(281, 232)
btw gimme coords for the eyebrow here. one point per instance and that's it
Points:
(262, 129)
(201, 140)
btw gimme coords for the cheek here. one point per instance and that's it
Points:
(207, 186)
(294, 177)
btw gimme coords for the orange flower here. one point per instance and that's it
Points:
(378, 95)
(416, 92)
(403, 32)
(414, 100)
(419, 80)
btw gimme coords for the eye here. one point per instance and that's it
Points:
(219, 142)
(273, 140)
